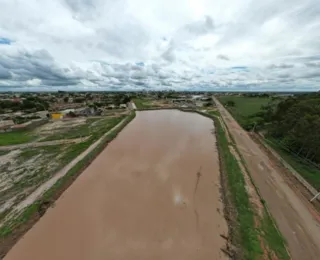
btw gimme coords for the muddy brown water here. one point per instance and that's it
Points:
(153, 193)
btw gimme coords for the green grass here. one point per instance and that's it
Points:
(213, 112)
(245, 108)
(308, 171)
(20, 137)
(273, 238)
(142, 103)
(248, 233)
(36, 207)
(245, 233)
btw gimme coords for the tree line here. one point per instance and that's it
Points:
(295, 122)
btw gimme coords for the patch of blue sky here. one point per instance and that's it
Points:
(5, 41)
(240, 68)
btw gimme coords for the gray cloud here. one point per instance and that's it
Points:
(223, 57)
(120, 44)
(281, 66)
(313, 64)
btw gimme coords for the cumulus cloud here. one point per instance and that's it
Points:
(140, 44)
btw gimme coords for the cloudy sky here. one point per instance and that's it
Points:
(159, 44)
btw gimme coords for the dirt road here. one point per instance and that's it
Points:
(153, 193)
(293, 217)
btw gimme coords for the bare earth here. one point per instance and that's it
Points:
(297, 224)
(152, 194)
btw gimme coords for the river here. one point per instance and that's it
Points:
(153, 193)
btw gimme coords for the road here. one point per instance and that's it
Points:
(295, 221)
(153, 193)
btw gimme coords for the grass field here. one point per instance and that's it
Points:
(19, 137)
(142, 103)
(245, 108)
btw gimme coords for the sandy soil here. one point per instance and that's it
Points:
(153, 193)
(36, 194)
(297, 224)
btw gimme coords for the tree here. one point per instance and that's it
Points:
(230, 103)
(66, 99)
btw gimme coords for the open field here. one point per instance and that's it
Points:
(245, 108)
(154, 193)
(296, 220)
(143, 103)
(23, 170)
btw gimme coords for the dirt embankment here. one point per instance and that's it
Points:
(154, 193)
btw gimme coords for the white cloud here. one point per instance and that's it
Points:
(154, 44)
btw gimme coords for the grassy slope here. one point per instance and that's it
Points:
(19, 137)
(308, 171)
(142, 103)
(245, 233)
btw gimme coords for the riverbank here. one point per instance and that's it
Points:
(11, 232)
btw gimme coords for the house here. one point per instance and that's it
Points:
(111, 107)
(123, 106)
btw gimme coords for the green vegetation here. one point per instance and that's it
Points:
(273, 238)
(30, 103)
(296, 123)
(245, 234)
(19, 137)
(40, 206)
(291, 127)
(213, 112)
(307, 170)
(245, 108)
(249, 236)
(142, 103)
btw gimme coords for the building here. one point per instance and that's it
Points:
(123, 106)
(56, 116)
